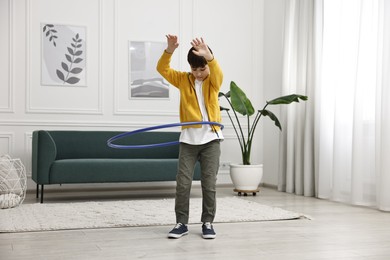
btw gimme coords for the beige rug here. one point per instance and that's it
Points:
(107, 214)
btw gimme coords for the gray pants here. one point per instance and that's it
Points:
(208, 156)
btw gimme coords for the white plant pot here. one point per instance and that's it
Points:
(246, 177)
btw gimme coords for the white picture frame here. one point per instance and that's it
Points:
(63, 54)
(144, 80)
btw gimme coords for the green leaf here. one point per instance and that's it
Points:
(272, 116)
(286, 99)
(223, 108)
(227, 94)
(240, 102)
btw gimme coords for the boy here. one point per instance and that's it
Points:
(198, 102)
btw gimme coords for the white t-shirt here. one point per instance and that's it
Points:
(205, 134)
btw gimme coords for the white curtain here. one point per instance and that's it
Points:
(302, 43)
(349, 86)
(382, 115)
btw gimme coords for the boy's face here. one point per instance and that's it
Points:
(200, 73)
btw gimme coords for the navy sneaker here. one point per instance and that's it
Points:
(208, 231)
(178, 231)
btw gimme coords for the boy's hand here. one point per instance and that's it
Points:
(201, 49)
(172, 43)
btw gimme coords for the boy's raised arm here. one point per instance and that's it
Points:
(173, 43)
(201, 49)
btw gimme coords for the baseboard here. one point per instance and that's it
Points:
(134, 186)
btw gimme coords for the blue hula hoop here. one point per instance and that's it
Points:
(119, 146)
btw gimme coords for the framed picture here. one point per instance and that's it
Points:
(63, 55)
(144, 80)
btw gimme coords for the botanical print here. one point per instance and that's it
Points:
(144, 80)
(63, 55)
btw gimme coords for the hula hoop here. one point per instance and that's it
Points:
(119, 146)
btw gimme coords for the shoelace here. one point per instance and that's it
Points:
(178, 225)
(207, 225)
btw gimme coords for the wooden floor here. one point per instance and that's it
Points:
(336, 231)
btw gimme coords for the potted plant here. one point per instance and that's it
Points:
(240, 103)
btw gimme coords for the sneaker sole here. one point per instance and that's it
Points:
(209, 236)
(177, 235)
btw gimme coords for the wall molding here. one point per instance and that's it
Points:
(52, 110)
(115, 62)
(11, 140)
(82, 124)
(228, 132)
(116, 93)
(28, 152)
(10, 108)
(99, 123)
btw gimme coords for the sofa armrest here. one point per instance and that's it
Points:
(44, 153)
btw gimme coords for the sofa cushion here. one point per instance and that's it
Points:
(114, 170)
(93, 144)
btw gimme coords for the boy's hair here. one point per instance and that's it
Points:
(196, 61)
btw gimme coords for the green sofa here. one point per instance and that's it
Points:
(60, 157)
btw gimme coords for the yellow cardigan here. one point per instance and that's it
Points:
(185, 82)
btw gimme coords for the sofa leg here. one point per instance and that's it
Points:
(42, 193)
(37, 191)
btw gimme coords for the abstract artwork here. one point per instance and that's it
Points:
(63, 55)
(144, 80)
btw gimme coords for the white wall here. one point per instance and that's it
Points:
(273, 50)
(233, 28)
